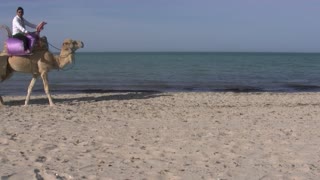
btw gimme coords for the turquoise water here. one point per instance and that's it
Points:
(238, 72)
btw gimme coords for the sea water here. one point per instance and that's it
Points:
(179, 71)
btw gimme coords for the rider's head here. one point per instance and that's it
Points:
(20, 11)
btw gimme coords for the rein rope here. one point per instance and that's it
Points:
(54, 47)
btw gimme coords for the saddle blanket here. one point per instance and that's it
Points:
(15, 46)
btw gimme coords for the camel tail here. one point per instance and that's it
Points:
(9, 33)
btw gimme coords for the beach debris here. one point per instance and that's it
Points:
(41, 159)
(38, 176)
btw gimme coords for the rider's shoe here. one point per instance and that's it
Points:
(28, 52)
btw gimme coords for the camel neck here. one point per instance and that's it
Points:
(58, 61)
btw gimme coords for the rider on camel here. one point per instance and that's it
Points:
(19, 28)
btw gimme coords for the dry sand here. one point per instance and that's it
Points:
(162, 136)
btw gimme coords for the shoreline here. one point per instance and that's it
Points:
(40, 92)
(180, 135)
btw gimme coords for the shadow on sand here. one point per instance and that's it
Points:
(36, 100)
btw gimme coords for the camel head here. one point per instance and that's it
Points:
(68, 49)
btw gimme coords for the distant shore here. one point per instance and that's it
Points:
(152, 135)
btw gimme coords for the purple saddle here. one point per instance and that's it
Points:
(15, 46)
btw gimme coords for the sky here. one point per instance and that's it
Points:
(176, 25)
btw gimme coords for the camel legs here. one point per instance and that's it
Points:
(44, 77)
(32, 82)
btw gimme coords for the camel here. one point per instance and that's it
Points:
(38, 64)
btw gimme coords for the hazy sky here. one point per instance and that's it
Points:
(176, 25)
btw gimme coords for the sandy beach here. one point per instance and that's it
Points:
(183, 136)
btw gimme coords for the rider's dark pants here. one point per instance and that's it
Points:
(23, 38)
